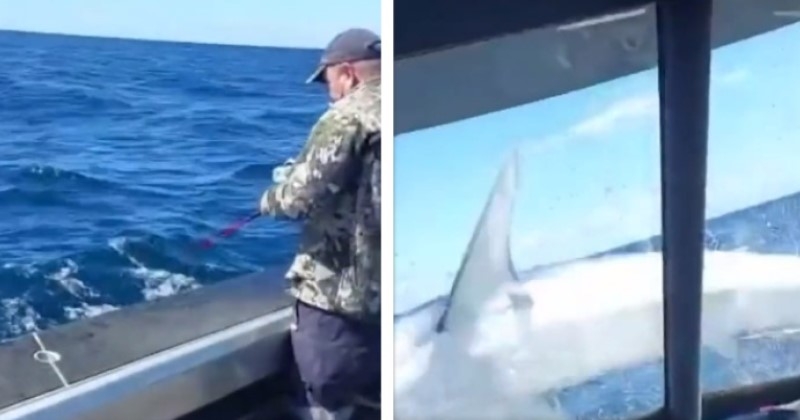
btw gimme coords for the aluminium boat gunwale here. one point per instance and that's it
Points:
(180, 356)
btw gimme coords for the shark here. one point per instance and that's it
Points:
(499, 346)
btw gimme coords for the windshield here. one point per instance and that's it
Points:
(585, 238)
(753, 213)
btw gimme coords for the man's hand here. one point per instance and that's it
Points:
(262, 204)
(281, 172)
(279, 175)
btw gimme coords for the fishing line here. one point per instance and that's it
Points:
(230, 230)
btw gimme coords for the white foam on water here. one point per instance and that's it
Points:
(20, 317)
(66, 278)
(26, 270)
(86, 310)
(161, 283)
(589, 318)
(157, 283)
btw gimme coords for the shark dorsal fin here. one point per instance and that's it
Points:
(486, 266)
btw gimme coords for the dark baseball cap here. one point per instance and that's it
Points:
(351, 45)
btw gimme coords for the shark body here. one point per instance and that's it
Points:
(498, 346)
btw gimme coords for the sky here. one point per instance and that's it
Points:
(295, 23)
(590, 177)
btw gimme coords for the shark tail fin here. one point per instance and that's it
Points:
(486, 266)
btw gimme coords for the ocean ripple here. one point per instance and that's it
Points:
(118, 156)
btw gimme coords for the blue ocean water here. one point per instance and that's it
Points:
(772, 227)
(118, 155)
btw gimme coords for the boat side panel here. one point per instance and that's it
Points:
(99, 344)
(209, 382)
(236, 333)
(422, 26)
(22, 376)
(535, 64)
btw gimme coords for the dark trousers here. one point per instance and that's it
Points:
(337, 358)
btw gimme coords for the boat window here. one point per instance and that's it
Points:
(588, 200)
(751, 316)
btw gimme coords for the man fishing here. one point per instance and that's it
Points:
(333, 186)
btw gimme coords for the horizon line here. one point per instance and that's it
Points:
(166, 41)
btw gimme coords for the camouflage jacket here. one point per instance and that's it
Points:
(334, 187)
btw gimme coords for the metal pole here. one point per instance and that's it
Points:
(684, 53)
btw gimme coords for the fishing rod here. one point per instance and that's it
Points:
(230, 230)
(278, 175)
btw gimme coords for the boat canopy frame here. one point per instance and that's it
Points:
(427, 28)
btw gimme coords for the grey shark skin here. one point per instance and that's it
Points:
(477, 280)
(498, 346)
(491, 240)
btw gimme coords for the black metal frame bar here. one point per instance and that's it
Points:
(684, 53)
(722, 405)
